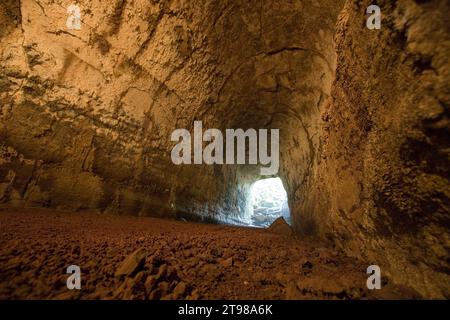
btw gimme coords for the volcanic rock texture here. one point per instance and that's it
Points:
(124, 257)
(86, 116)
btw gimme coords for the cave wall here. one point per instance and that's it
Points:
(380, 184)
(86, 115)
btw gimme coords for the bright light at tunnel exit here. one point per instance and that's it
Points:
(268, 201)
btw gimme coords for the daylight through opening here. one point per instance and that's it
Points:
(268, 201)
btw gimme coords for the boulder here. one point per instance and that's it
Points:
(280, 226)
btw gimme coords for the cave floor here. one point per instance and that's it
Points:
(175, 260)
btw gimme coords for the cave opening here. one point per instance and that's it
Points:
(268, 201)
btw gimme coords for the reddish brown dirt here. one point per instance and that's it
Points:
(184, 261)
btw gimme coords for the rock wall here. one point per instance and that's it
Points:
(380, 185)
(86, 115)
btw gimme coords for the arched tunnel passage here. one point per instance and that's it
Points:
(86, 121)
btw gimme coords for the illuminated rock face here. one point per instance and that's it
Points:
(86, 115)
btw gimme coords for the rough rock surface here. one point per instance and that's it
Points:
(380, 185)
(281, 227)
(86, 115)
(185, 261)
(129, 266)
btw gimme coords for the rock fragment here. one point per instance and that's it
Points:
(179, 290)
(280, 226)
(131, 263)
(226, 262)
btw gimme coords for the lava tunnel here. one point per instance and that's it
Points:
(308, 136)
